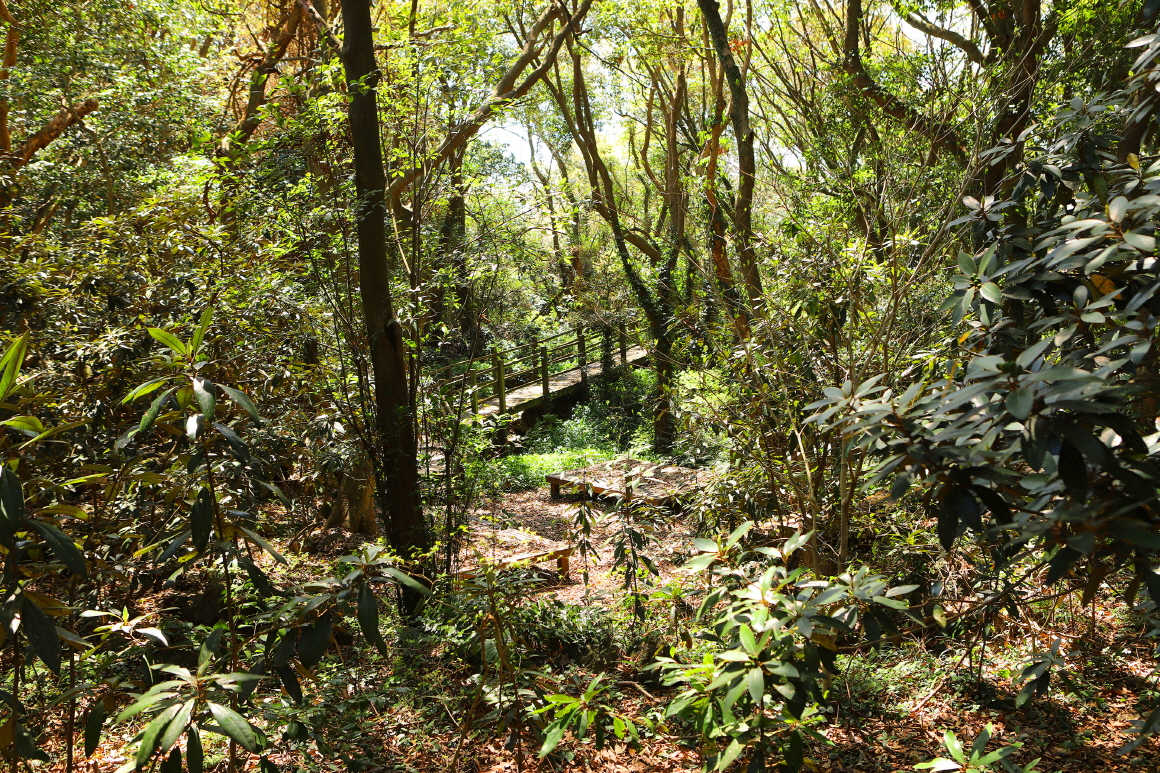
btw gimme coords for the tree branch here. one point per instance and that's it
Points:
(506, 91)
(920, 23)
(53, 129)
(941, 135)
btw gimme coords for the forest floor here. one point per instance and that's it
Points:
(405, 712)
(892, 706)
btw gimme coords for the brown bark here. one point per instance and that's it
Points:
(56, 126)
(1016, 77)
(717, 252)
(257, 97)
(941, 135)
(396, 462)
(746, 160)
(11, 39)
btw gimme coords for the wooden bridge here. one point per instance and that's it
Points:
(533, 374)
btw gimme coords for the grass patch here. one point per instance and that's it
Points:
(520, 472)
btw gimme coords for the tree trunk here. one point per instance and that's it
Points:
(397, 465)
(746, 160)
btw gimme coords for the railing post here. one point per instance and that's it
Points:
(544, 373)
(623, 346)
(582, 355)
(498, 376)
(471, 385)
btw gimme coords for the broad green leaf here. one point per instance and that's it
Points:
(10, 365)
(154, 411)
(62, 546)
(405, 579)
(25, 423)
(152, 734)
(199, 334)
(169, 340)
(244, 401)
(263, 544)
(755, 682)
(235, 726)
(552, 738)
(201, 519)
(206, 401)
(41, 634)
(144, 389)
(1019, 402)
(11, 504)
(194, 757)
(368, 617)
(93, 723)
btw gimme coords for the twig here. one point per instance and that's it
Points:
(643, 691)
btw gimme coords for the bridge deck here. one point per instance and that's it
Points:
(532, 395)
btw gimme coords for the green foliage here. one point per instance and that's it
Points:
(976, 759)
(774, 633)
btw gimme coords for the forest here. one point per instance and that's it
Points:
(579, 385)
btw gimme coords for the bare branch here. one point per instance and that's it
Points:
(920, 23)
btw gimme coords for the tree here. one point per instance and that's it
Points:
(399, 475)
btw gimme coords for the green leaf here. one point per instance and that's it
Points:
(203, 394)
(235, 726)
(199, 333)
(991, 292)
(194, 757)
(314, 640)
(26, 747)
(731, 753)
(405, 579)
(201, 519)
(289, 679)
(705, 545)
(25, 424)
(795, 753)
(966, 264)
(172, 763)
(238, 446)
(748, 641)
(10, 365)
(93, 723)
(263, 544)
(41, 635)
(180, 721)
(755, 682)
(169, 340)
(144, 389)
(11, 504)
(152, 734)
(154, 410)
(954, 747)
(243, 400)
(63, 547)
(552, 738)
(368, 617)
(1019, 403)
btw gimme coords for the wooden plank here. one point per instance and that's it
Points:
(560, 555)
(656, 484)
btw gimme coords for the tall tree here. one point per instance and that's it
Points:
(397, 466)
(743, 135)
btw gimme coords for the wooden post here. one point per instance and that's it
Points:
(471, 385)
(498, 376)
(582, 355)
(623, 346)
(544, 373)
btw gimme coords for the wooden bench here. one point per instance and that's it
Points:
(560, 555)
(655, 484)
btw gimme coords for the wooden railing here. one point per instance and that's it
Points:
(494, 374)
